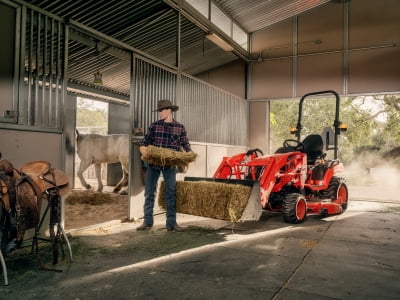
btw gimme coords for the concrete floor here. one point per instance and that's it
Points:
(355, 255)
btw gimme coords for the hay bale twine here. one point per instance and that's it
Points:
(209, 199)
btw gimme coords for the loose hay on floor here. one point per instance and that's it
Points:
(87, 207)
(89, 197)
(168, 157)
(209, 199)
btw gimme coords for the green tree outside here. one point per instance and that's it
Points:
(372, 122)
(92, 116)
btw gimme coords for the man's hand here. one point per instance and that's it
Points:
(182, 169)
(143, 151)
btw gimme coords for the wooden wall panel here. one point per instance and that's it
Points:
(319, 72)
(321, 29)
(258, 126)
(361, 58)
(274, 41)
(26, 146)
(272, 79)
(373, 23)
(374, 71)
(230, 78)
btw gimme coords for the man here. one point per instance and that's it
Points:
(165, 133)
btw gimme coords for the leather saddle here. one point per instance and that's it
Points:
(7, 183)
(45, 177)
(22, 192)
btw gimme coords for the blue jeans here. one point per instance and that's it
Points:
(152, 175)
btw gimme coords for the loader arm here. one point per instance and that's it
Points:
(280, 171)
(231, 167)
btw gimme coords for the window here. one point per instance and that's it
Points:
(222, 21)
(200, 5)
(239, 36)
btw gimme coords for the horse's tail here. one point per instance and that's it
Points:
(69, 146)
(79, 137)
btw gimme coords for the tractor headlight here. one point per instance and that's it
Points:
(342, 126)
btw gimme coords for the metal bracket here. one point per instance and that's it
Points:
(10, 116)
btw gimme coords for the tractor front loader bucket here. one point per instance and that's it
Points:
(253, 209)
(227, 199)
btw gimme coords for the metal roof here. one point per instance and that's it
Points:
(254, 15)
(151, 27)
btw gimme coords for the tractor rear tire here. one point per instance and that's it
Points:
(294, 208)
(337, 191)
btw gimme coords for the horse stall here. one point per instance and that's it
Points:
(98, 199)
(39, 105)
(33, 131)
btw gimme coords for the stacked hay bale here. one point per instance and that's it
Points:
(209, 199)
(200, 198)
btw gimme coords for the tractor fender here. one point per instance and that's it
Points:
(339, 168)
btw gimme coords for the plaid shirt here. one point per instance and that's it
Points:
(167, 135)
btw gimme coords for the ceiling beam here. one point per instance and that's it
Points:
(208, 27)
(102, 47)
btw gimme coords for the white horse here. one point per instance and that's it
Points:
(97, 149)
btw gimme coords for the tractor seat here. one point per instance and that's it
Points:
(313, 147)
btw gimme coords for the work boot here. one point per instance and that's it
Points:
(144, 226)
(13, 245)
(176, 228)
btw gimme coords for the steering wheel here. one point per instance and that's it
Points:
(256, 151)
(298, 146)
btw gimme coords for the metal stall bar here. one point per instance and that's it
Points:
(51, 71)
(152, 83)
(213, 115)
(30, 104)
(57, 70)
(37, 70)
(41, 71)
(45, 121)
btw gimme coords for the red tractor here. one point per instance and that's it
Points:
(297, 180)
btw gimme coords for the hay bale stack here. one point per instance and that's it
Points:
(168, 157)
(209, 199)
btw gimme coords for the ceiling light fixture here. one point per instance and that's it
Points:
(98, 78)
(219, 42)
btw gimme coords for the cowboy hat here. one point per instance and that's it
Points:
(164, 104)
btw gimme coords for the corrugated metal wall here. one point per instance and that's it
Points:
(151, 83)
(210, 115)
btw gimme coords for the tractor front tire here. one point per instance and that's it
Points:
(337, 191)
(294, 208)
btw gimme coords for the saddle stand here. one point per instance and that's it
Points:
(34, 182)
(4, 268)
(57, 234)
